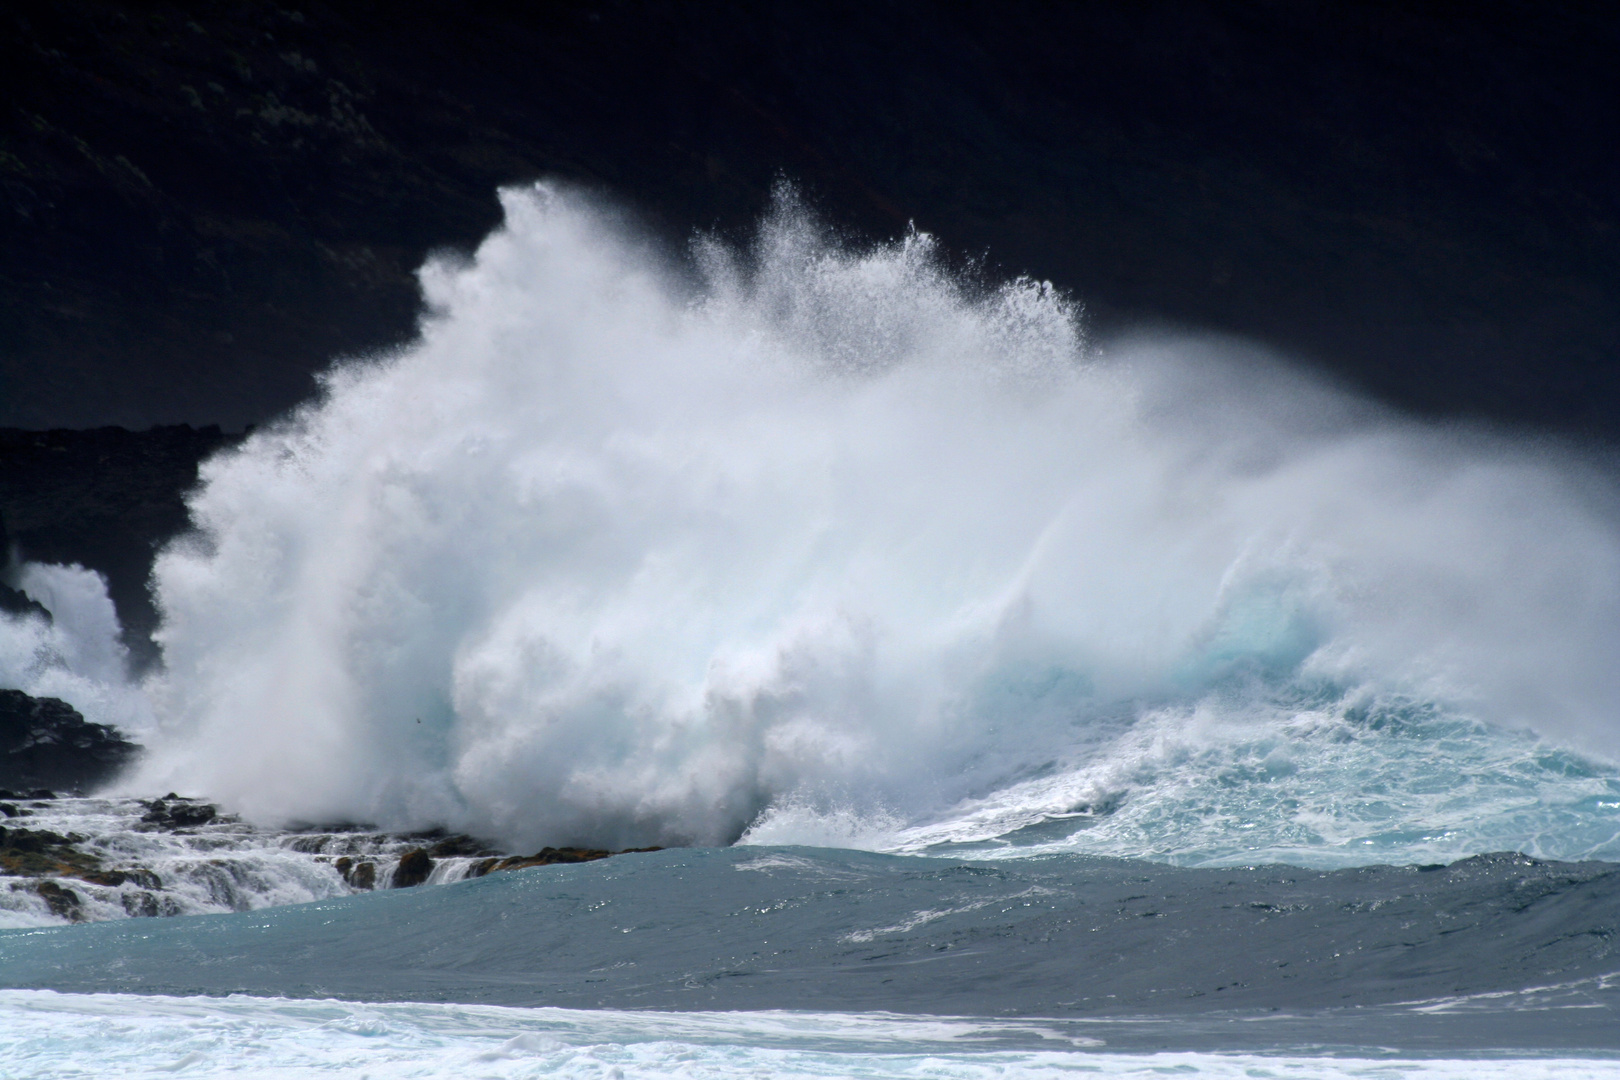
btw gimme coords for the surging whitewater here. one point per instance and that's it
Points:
(832, 547)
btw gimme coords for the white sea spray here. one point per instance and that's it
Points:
(76, 653)
(602, 559)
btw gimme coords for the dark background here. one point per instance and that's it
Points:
(200, 205)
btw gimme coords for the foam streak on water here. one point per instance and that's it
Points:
(76, 655)
(828, 540)
(67, 1035)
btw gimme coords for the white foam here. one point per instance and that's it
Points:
(210, 868)
(603, 560)
(77, 654)
(93, 1035)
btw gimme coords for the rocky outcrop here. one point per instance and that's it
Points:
(358, 873)
(177, 812)
(17, 602)
(548, 856)
(415, 867)
(63, 902)
(55, 850)
(456, 845)
(41, 853)
(106, 499)
(45, 743)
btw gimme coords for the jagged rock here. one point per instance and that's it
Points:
(63, 902)
(32, 840)
(44, 741)
(359, 873)
(549, 856)
(17, 602)
(146, 879)
(413, 869)
(176, 812)
(42, 853)
(139, 904)
(459, 846)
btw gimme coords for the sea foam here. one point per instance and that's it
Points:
(158, 1036)
(628, 550)
(76, 653)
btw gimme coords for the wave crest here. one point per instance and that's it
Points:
(609, 560)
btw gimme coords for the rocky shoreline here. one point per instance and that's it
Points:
(46, 744)
(78, 859)
(68, 856)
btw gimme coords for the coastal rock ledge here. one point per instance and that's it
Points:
(45, 743)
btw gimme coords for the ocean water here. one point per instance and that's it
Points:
(821, 929)
(90, 1035)
(975, 670)
(745, 962)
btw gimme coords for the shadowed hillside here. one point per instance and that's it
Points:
(202, 204)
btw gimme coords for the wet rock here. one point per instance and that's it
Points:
(42, 853)
(310, 845)
(359, 873)
(146, 879)
(548, 856)
(459, 846)
(139, 904)
(63, 901)
(32, 840)
(17, 602)
(413, 869)
(10, 810)
(176, 812)
(45, 742)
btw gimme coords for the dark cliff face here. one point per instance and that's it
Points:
(106, 499)
(45, 743)
(202, 204)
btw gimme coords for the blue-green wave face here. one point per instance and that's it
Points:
(821, 545)
(1256, 749)
(1260, 774)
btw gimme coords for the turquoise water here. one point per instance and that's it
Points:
(1497, 952)
(1324, 779)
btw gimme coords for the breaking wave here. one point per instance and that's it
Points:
(822, 544)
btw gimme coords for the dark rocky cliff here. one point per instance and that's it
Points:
(106, 499)
(46, 744)
(201, 204)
